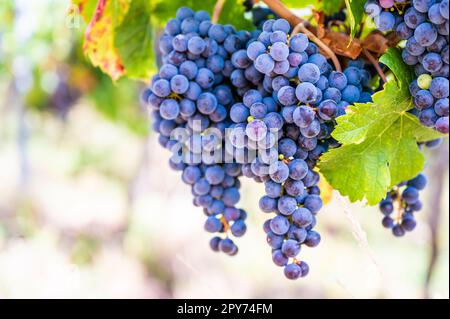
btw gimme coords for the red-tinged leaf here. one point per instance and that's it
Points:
(99, 41)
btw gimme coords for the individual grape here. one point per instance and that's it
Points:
(287, 96)
(306, 92)
(327, 110)
(281, 25)
(273, 121)
(439, 87)
(303, 116)
(387, 4)
(291, 248)
(279, 225)
(422, 5)
(398, 231)
(179, 84)
(353, 76)
(294, 188)
(279, 51)
(213, 225)
(414, 48)
(313, 239)
(227, 246)
(441, 107)
(275, 241)
(372, 9)
(428, 117)
(273, 189)
(298, 43)
(264, 63)
(279, 258)
(410, 195)
(423, 99)
(292, 271)
(424, 81)
(442, 125)
(169, 109)
(320, 61)
(312, 130)
(161, 88)
(333, 94)
(207, 103)
(351, 94)
(256, 130)
(239, 113)
(280, 173)
(281, 67)
(302, 217)
(425, 34)
(404, 32)
(297, 169)
(239, 59)
(255, 49)
(337, 80)
(313, 203)
(238, 79)
(432, 62)
(205, 78)
(385, 21)
(409, 59)
(434, 14)
(309, 73)
(414, 18)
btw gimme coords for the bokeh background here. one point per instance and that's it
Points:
(90, 209)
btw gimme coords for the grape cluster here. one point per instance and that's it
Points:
(287, 113)
(400, 205)
(259, 104)
(190, 99)
(424, 25)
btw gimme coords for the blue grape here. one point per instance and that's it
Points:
(425, 34)
(298, 43)
(279, 225)
(279, 51)
(306, 92)
(292, 271)
(287, 95)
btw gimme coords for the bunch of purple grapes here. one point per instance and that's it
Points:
(400, 205)
(279, 96)
(289, 117)
(424, 25)
(190, 98)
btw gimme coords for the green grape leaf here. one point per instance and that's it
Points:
(134, 40)
(379, 141)
(355, 11)
(331, 7)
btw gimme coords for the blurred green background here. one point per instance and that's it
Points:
(89, 207)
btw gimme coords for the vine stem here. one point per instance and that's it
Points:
(301, 27)
(217, 10)
(375, 64)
